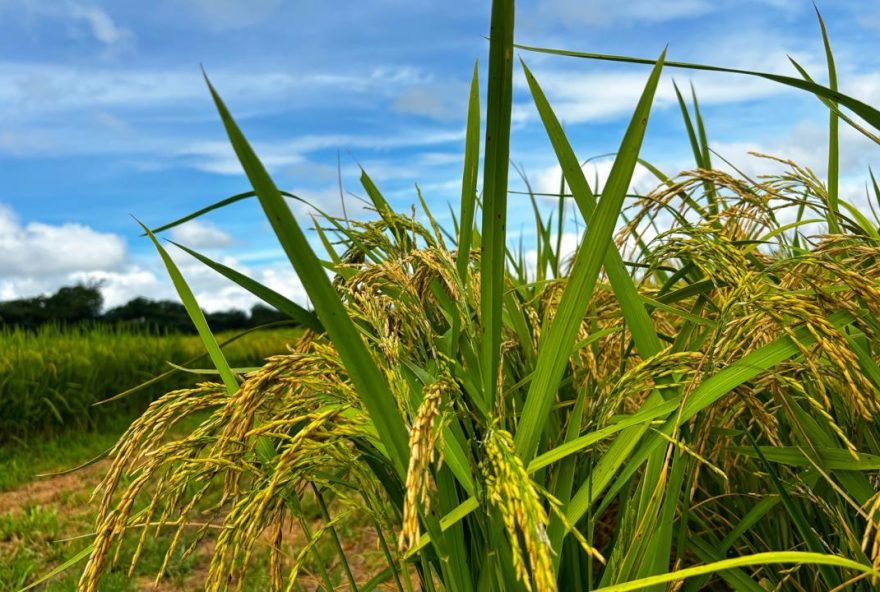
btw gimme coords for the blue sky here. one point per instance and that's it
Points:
(104, 115)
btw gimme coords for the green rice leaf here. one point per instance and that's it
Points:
(833, 133)
(863, 110)
(560, 335)
(195, 313)
(469, 178)
(834, 459)
(304, 317)
(637, 318)
(770, 558)
(495, 170)
(63, 567)
(201, 212)
(365, 375)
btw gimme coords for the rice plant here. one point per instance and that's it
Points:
(688, 402)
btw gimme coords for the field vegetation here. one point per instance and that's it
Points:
(53, 377)
(688, 402)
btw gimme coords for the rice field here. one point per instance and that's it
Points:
(687, 402)
(51, 378)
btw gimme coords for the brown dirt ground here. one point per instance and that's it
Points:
(67, 491)
(51, 489)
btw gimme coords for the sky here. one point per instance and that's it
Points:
(105, 116)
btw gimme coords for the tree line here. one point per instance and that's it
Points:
(81, 304)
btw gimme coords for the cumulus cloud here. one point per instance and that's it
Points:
(37, 249)
(38, 258)
(200, 235)
(596, 172)
(805, 143)
(212, 291)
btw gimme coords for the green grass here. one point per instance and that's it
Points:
(52, 377)
(690, 399)
(20, 462)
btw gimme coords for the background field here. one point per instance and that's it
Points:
(50, 380)
(52, 377)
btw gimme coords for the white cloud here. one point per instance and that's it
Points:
(35, 89)
(219, 157)
(118, 287)
(596, 172)
(200, 235)
(103, 28)
(580, 95)
(99, 25)
(212, 291)
(39, 258)
(38, 249)
(806, 144)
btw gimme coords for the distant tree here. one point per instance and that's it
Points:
(230, 320)
(164, 315)
(70, 304)
(28, 313)
(262, 315)
(74, 304)
(78, 304)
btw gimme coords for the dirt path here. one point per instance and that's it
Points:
(66, 497)
(52, 489)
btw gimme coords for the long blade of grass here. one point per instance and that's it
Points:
(833, 133)
(195, 313)
(637, 318)
(769, 558)
(580, 443)
(708, 553)
(756, 513)
(863, 110)
(304, 317)
(689, 127)
(495, 170)
(363, 372)
(228, 201)
(559, 337)
(834, 459)
(81, 555)
(469, 178)
(201, 212)
(465, 223)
